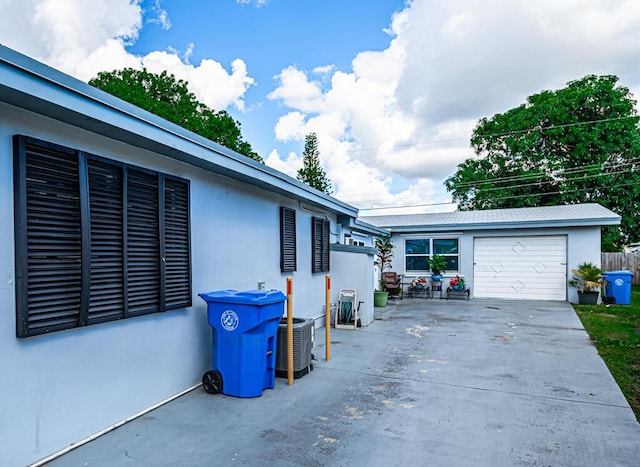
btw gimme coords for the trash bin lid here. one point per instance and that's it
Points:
(618, 273)
(246, 297)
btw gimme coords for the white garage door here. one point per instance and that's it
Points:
(520, 267)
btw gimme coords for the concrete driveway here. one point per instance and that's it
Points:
(430, 382)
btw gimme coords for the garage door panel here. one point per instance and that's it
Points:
(520, 267)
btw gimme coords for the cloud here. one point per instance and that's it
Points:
(290, 165)
(471, 59)
(406, 113)
(83, 38)
(62, 34)
(396, 124)
(209, 81)
(157, 15)
(257, 3)
(322, 70)
(107, 57)
(297, 92)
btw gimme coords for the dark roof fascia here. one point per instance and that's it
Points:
(369, 250)
(28, 84)
(595, 222)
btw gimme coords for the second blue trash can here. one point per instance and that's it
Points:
(244, 332)
(618, 286)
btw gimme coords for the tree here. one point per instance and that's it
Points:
(384, 248)
(162, 94)
(311, 173)
(579, 144)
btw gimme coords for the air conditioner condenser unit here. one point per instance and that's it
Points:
(303, 340)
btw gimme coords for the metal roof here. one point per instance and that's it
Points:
(569, 215)
(28, 84)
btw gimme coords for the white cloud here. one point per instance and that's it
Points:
(107, 57)
(397, 123)
(62, 34)
(161, 17)
(323, 70)
(290, 127)
(290, 165)
(296, 91)
(407, 112)
(257, 3)
(471, 59)
(82, 38)
(209, 81)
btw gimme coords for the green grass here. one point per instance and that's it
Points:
(615, 331)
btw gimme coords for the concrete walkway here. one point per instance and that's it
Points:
(430, 382)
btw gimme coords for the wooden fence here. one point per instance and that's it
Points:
(622, 262)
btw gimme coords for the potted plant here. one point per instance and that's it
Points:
(419, 283)
(457, 283)
(384, 249)
(587, 278)
(438, 265)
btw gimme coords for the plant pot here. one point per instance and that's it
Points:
(588, 298)
(436, 277)
(380, 299)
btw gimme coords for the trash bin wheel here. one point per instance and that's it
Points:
(212, 382)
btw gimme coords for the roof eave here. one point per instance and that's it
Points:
(33, 86)
(357, 225)
(506, 225)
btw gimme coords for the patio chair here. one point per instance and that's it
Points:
(392, 284)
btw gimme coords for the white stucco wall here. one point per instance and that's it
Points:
(352, 270)
(583, 245)
(61, 388)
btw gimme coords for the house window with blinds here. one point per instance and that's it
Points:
(319, 244)
(288, 260)
(96, 240)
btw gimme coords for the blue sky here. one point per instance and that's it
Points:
(269, 38)
(393, 89)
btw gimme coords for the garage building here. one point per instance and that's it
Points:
(521, 253)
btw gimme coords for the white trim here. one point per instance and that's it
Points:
(529, 267)
(431, 235)
(111, 428)
(431, 238)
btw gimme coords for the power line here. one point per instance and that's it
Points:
(491, 135)
(520, 177)
(562, 125)
(575, 171)
(560, 192)
(527, 177)
(509, 197)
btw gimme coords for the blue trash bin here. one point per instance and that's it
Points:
(618, 286)
(245, 330)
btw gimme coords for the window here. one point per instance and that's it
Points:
(96, 240)
(319, 244)
(418, 251)
(287, 239)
